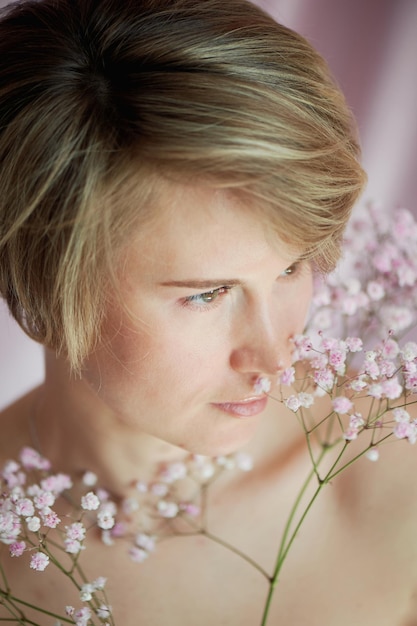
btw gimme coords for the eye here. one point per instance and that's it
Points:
(205, 300)
(291, 270)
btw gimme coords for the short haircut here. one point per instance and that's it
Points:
(99, 98)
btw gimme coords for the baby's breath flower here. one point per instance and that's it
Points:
(76, 531)
(105, 520)
(147, 542)
(73, 546)
(138, 555)
(86, 593)
(372, 454)
(409, 351)
(104, 611)
(167, 509)
(288, 376)
(39, 561)
(82, 616)
(24, 507)
(50, 518)
(56, 483)
(342, 405)
(90, 502)
(262, 385)
(173, 472)
(33, 523)
(17, 548)
(292, 403)
(99, 583)
(89, 479)
(31, 459)
(159, 489)
(243, 461)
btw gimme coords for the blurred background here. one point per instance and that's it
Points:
(371, 47)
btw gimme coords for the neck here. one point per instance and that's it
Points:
(77, 432)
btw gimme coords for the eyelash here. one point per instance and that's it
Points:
(195, 302)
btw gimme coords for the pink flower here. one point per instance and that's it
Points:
(375, 290)
(262, 385)
(324, 379)
(57, 483)
(99, 583)
(31, 459)
(104, 611)
(351, 433)
(89, 479)
(244, 461)
(409, 351)
(372, 454)
(173, 472)
(76, 531)
(392, 389)
(86, 593)
(303, 345)
(358, 384)
(337, 359)
(159, 489)
(73, 546)
(191, 509)
(39, 561)
(105, 520)
(306, 400)
(354, 344)
(17, 548)
(342, 405)
(288, 376)
(390, 349)
(50, 518)
(292, 403)
(44, 499)
(355, 423)
(167, 509)
(33, 523)
(90, 502)
(138, 555)
(82, 616)
(24, 507)
(147, 542)
(10, 527)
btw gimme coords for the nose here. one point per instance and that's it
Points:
(262, 345)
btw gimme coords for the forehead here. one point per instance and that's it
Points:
(199, 228)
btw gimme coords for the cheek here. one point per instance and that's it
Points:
(155, 367)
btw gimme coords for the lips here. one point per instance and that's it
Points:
(246, 408)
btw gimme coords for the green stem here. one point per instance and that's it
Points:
(36, 608)
(284, 545)
(236, 551)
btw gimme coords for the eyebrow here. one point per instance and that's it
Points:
(202, 284)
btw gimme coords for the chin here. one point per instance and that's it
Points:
(221, 446)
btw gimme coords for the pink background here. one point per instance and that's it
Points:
(371, 46)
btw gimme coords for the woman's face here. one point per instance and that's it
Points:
(213, 303)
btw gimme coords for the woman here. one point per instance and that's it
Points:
(171, 173)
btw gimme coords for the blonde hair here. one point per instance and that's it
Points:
(99, 99)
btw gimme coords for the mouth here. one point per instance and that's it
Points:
(244, 408)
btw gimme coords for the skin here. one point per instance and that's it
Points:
(212, 305)
(152, 391)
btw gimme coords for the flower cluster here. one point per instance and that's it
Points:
(352, 371)
(371, 301)
(29, 491)
(374, 290)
